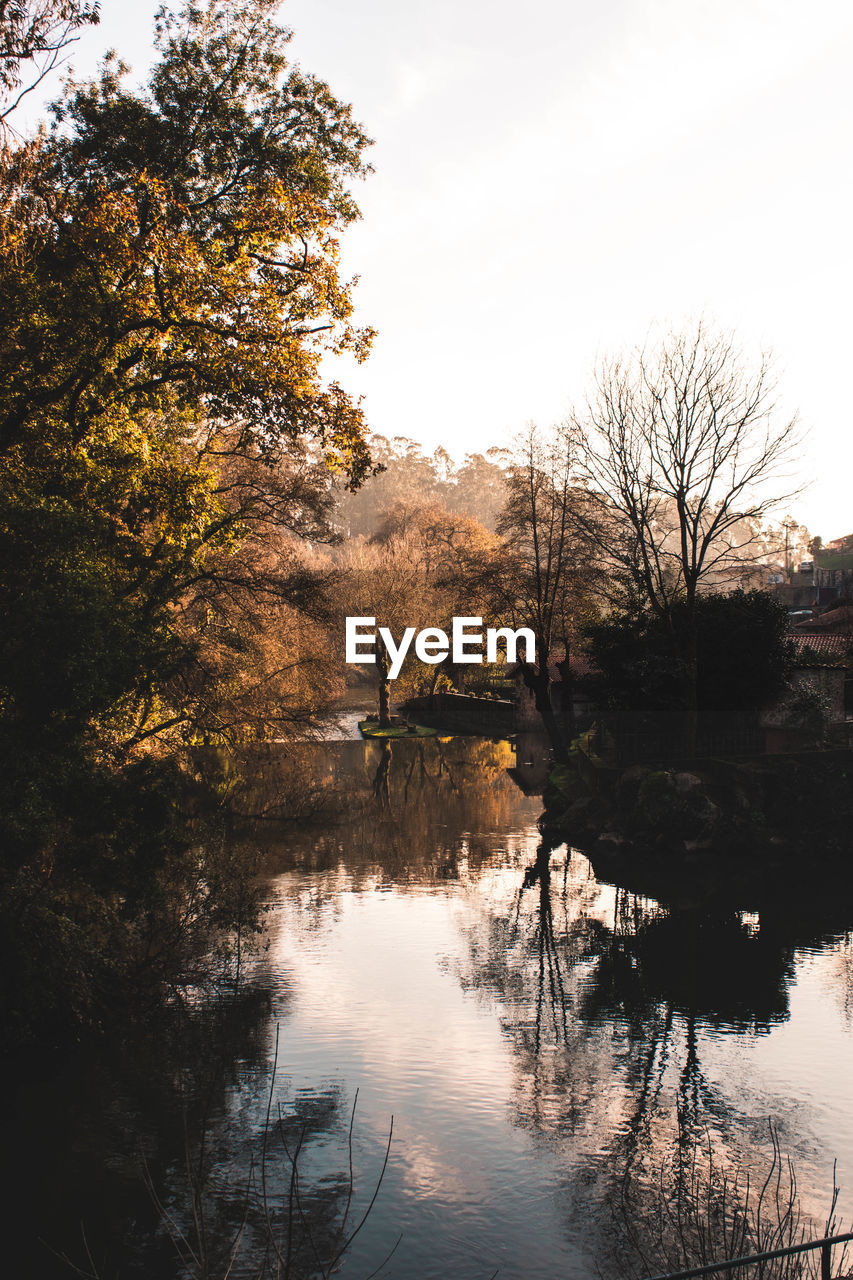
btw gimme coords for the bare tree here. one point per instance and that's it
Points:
(550, 560)
(680, 447)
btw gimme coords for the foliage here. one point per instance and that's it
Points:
(422, 567)
(743, 657)
(120, 906)
(179, 247)
(36, 31)
(409, 478)
(170, 286)
(808, 708)
(169, 263)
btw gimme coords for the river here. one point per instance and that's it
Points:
(539, 1042)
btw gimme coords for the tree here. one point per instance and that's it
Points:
(36, 30)
(448, 551)
(679, 446)
(179, 247)
(170, 285)
(548, 564)
(386, 583)
(743, 655)
(476, 488)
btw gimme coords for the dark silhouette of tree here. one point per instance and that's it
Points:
(742, 652)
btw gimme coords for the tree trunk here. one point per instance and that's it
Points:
(538, 681)
(384, 688)
(691, 692)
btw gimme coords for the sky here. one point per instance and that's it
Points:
(553, 185)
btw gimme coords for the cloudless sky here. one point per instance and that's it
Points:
(550, 184)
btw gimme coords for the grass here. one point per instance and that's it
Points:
(371, 729)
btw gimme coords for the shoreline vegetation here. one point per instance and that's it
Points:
(190, 512)
(760, 807)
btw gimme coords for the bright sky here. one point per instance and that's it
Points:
(550, 185)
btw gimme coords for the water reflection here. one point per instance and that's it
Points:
(617, 1005)
(546, 1030)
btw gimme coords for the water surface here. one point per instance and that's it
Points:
(542, 1037)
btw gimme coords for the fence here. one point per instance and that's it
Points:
(755, 1259)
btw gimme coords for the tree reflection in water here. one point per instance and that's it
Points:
(609, 998)
(382, 780)
(411, 810)
(611, 990)
(181, 1154)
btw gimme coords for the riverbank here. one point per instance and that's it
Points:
(777, 804)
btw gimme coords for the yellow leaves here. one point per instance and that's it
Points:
(122, 327)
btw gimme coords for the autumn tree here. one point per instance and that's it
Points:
(182, 246)
(386, 583)
(170, 287)
(169, 262)
(679, 446)
(449, 551)
(475, 488)
(253, 611)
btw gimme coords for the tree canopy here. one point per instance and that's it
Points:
(36, 32)
(743, 657)
(169, 263)
(170, 286)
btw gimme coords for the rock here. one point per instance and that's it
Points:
(674, 806)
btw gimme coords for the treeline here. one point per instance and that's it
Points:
(406, 475)
(614, 530)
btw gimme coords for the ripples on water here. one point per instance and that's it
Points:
(538, 1034)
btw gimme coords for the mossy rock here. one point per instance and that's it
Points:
(673, 806)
